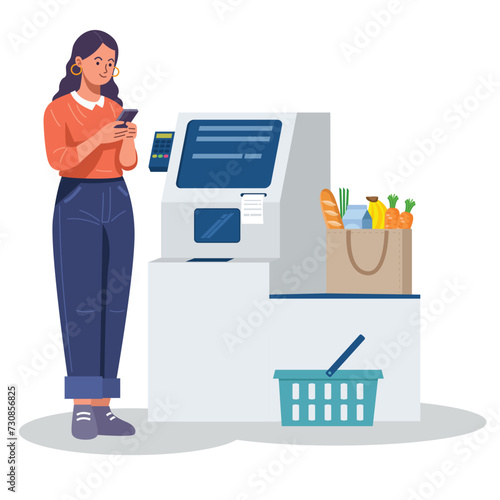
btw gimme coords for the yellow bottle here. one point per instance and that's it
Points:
(377, 211)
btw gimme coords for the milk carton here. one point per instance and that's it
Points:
(357, 217)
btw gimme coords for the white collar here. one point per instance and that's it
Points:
(87, 104)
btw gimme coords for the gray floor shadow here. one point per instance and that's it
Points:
(54, 431)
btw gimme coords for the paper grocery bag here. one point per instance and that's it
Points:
(368, 261)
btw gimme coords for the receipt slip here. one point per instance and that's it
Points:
(252, 209)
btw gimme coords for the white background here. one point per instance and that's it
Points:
(257, 55)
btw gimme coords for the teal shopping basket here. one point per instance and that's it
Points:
(334, 397)
(310, 397)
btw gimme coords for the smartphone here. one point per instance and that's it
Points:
(127, 115)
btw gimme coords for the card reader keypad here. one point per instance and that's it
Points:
(160, 152)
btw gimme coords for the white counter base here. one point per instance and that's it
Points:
(216, 337)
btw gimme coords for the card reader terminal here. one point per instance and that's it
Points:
(160, 152)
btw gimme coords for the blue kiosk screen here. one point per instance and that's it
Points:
(229, 153)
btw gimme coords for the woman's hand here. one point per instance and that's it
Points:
(131, 131)
(109, 133)
(128, 155)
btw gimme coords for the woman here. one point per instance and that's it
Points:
(93, 229)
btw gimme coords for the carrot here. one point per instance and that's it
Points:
(406, 218)
(330, 209)
(392, 213)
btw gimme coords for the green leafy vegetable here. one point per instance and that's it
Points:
(343, 200)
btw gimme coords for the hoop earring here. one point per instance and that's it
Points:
(114, 76)
(72, 72)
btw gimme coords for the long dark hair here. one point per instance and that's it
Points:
(85, 46)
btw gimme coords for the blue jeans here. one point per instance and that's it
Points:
(93, 236)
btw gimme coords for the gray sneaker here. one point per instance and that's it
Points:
(109, 424)
(83, 425)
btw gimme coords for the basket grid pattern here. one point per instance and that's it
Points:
(327, 402)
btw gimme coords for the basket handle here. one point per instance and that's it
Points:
(340, 361)
(380, 262)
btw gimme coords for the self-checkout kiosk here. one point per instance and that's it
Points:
(240, 288)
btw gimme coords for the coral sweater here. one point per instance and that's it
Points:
(69, 121)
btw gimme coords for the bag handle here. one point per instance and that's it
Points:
(382, 257)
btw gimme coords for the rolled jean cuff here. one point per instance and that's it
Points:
(110, 387)
(91, 387)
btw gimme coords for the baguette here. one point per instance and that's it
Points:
(330, 209)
